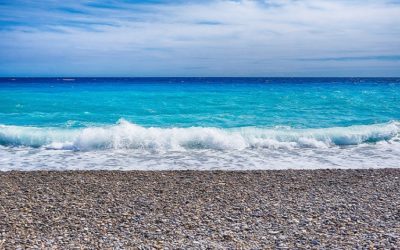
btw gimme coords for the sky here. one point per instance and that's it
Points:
(265, 38)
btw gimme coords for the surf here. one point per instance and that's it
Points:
(127, 135)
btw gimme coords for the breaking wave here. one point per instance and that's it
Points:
(126, 135)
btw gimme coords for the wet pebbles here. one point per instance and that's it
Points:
(347, 209)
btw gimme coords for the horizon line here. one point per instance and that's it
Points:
(128, 77)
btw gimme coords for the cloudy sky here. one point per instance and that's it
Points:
(200, 38)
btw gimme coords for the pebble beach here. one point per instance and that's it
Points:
(346, 209)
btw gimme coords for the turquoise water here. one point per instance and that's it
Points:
(223, 103)
(194, 120)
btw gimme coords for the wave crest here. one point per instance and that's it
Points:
(126, 135)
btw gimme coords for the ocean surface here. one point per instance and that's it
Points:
(199, 123)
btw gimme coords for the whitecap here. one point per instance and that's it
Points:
(126, 135)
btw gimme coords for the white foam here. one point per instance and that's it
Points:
(126, 146)
(125, 135)
(355, 157)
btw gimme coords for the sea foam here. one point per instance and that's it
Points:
(126, 135)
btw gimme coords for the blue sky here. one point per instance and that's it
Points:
(200, 38)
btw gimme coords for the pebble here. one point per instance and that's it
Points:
(285, 209)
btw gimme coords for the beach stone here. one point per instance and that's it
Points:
(285, 209)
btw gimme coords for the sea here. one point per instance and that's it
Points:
(199, 123)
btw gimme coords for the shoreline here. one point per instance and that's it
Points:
(331, 208)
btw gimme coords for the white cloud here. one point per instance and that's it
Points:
(265, 38)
